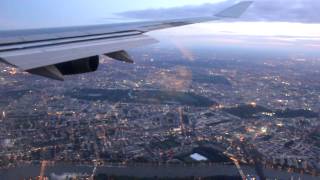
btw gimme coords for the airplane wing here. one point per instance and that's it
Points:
(56, 52)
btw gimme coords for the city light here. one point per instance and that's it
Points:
(13, 71)
(253, 104)
(264, 130)
(268, 114)
(280, 124)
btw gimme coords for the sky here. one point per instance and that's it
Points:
(18, 14)
(282, 22)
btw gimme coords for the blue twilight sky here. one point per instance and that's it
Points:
(44, 13)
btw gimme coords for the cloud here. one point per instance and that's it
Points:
(305, 11)
(285, 10)
(185, 11)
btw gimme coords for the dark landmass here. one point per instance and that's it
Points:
(11, 95)
(289, 144)
(266, 138)
(106, 177)
(314, 138)
(246, 111)
(14, 94)
(142, 96)
(249, 111)
(291, 113)
(219, 122)
(221, 80)
(166, 144)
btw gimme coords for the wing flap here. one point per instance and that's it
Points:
(120, 56)
(50, 71)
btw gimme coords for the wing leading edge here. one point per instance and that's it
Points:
(39, 51)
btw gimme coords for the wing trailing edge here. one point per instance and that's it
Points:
(32, 58)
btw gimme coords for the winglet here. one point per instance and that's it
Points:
(235, 11)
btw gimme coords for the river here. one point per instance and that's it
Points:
(57, 170)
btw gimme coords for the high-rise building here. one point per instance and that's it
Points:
(3, 116)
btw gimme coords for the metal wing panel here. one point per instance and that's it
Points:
(35, 44)
(49, 55)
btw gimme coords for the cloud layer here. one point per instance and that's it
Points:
(305, 11)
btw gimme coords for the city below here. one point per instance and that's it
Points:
(168, 115)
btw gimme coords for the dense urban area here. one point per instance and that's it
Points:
(167, 109)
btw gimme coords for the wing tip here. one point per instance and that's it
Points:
(236, 10)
